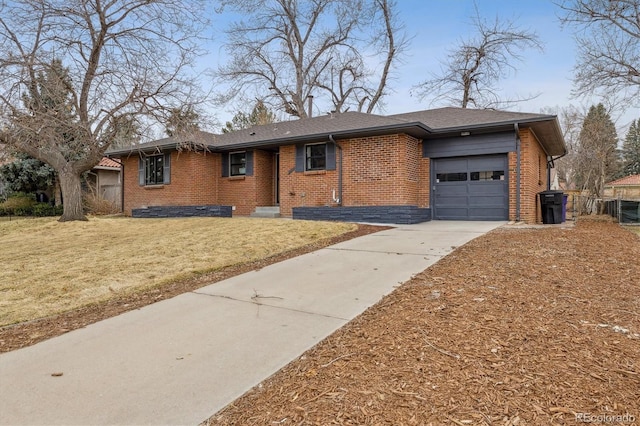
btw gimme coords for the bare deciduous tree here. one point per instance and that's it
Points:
(470, 74)
(571, 119)
(608, 42)
(105, 61)
(182, 122)
(286, 51)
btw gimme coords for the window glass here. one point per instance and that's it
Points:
(451, 177)
(316, 156)
(488, 175)
(154, 170)
(237, 163)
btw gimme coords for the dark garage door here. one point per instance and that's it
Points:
(471, 188)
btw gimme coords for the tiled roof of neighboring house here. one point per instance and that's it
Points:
(420, 124)
(625, 181)
(107, 163)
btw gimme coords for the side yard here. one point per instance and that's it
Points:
(521, 326)
(51, 268)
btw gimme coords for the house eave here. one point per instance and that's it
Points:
(116, 169)
(546, 127)
(417, 130)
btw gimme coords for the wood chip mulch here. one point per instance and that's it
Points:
(518, 327)
(29, 333)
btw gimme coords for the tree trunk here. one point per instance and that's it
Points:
(70, 184)
(57, 193)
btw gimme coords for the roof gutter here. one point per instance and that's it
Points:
(550, 165)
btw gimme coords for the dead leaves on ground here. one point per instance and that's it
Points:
(519, 327)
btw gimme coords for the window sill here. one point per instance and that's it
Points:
(237, 177)
(315, 172)
(154, 186)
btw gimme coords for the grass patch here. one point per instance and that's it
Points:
(633, 228)
(50, 267)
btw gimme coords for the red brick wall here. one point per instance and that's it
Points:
(533, 178)
(382, 170)
(513, 184)
(533, 173)
(247, 192)
(424, 180)
(193, 182)
(298, 189)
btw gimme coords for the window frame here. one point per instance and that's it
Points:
(487, 175)
(242, 163)
(443, 177)
(154, 167)
(309, 157)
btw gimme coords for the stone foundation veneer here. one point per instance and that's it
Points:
(182, 211)
(403, 215)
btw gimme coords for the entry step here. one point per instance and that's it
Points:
(266, 211)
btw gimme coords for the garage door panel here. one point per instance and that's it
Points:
(453, 190)
(488, 190)
(454, 213)
(485, 161)
(485, 213)
(486, 202)
(471, 188)
(452, 164)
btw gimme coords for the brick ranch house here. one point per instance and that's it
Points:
(447, 163)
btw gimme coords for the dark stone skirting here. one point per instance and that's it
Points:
(375, 214)
(182, 211)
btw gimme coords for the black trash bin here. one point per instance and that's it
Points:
(551, 204)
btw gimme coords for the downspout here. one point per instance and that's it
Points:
(339, 148)
(550, 164)
(517, 130)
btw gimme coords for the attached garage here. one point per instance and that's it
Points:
(471, 188)
(470, 175)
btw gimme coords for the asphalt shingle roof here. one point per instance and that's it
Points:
(420, 124)
(447, 118)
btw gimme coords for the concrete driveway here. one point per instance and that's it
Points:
(181, 360)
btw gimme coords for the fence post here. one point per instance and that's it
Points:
(619, 209)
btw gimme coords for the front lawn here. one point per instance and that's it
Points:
(50, 267)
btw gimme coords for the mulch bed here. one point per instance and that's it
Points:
(26, 334)
(518, 327)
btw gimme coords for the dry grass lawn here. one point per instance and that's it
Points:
(50, 267)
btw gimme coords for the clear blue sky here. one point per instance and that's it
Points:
(436, 25)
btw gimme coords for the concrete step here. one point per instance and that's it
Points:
(266, 211)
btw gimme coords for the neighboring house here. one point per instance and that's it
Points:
(627, 187)
(105, 180)
(447, 163)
